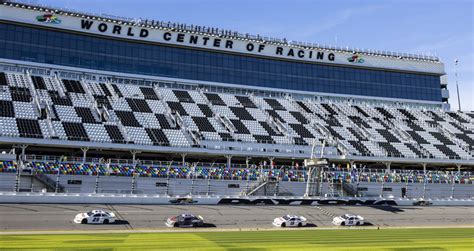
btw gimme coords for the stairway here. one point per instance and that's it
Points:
(266, 187)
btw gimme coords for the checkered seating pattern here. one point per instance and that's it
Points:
(49, 107)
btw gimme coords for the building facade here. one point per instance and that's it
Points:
(220, 58)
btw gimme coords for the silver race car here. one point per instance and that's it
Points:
(290, 221)
(348, 220)
(185, 220)
(95, 217)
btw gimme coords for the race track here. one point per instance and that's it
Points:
(24, 217)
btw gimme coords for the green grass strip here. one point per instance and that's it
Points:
(353, 239)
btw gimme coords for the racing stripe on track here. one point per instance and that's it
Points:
(326, 212)
(119, 216)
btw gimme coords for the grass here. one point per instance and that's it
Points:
(352, 239)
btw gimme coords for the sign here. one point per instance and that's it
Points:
(205, 41)
(216, 43)
(48, 18)
(355, 59)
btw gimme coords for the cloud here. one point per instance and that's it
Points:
(337, 19)
(449, 42)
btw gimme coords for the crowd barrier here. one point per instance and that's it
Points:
(222, 172)
(52, 198)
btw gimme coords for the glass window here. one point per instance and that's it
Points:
(61, 48)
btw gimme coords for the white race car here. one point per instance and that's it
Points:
(348, 220)
(290, 221)
(95, 217)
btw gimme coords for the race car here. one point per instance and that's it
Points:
(290, 221)
(185, 220)
(348, 220)
(95, 217)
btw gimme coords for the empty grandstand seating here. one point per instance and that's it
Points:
(81, 110)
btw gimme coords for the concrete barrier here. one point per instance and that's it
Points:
(80, 198)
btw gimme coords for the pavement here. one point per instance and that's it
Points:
(58, 217)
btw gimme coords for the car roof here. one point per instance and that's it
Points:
(99, 211)
(351, 215)
(187, 215)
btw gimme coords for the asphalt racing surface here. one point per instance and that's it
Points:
(24, 217)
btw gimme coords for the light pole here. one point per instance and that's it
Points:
(457, 85)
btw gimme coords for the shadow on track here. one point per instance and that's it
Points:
(120, 222)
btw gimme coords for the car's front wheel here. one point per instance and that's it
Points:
(283, 224)
(358, 223)
(84, 221)
(176, 224)
(106, 221)
(300, 224)
(343, 223)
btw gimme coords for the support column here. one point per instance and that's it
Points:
(20, 167)
(271, 162)
(134, 156)
(321, 180)
(229, 160)
(453, 184)
(58, 178)
(382, 188)
(208, 185)
(84, 154)
(247, 161)
(134, 174)
(168, 179)
(23, 148)
(424, 180)
(183, 159)
(387, 165)
(193, 172)
(453, 181)
(308, 180)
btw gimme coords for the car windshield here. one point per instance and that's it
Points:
(286, 217)
(89, 213)
(345, 217)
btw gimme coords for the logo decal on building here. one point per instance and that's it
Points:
(356, 59)
(48, 18)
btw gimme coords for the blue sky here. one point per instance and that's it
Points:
(441, 28)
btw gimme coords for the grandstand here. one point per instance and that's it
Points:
(86, 109)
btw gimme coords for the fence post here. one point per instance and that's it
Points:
(132, 191)
(208, 185)
(452, 186)
(56, 190)
(96, 188)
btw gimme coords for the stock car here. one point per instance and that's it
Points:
(95, 217)
(185, 220)
(348, 220)
(290, 221)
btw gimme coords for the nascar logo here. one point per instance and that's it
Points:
(356, 59)
(48, 18)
